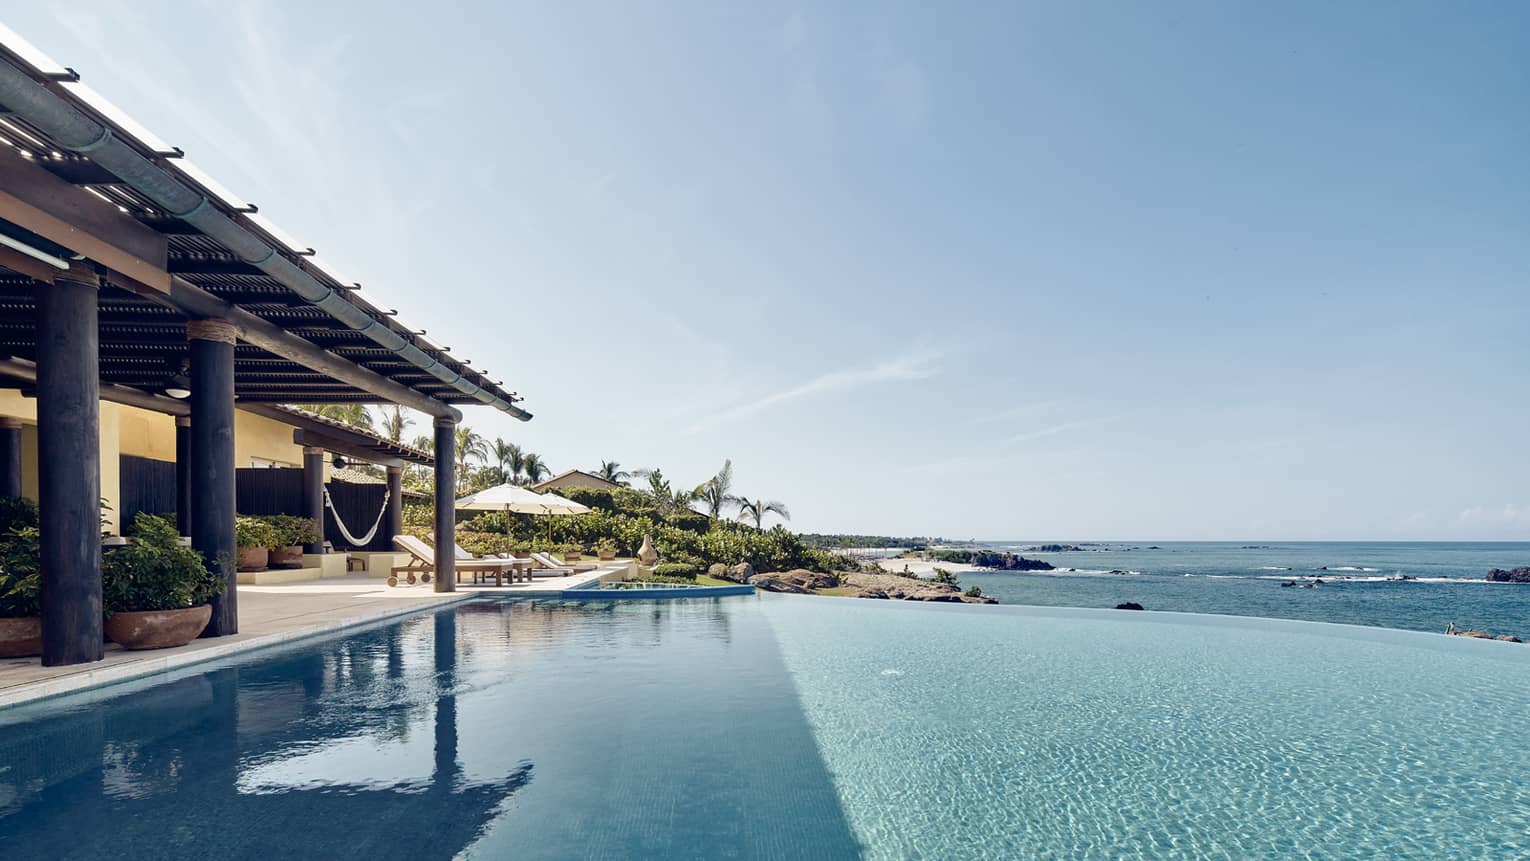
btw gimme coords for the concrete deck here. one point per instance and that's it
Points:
(268, 615)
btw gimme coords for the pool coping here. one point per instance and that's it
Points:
(90, 676)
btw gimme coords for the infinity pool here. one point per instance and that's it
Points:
(792, 727)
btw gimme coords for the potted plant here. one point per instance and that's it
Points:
(521, 549)
(572, 552)
(156, 591)
(20, 610)
(253, 537)
(605, 549)
(291, 533)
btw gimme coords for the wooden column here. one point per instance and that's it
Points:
(446, 505)
(395, 514)
(212, 462)
(183, 474)
(69, 471)
(313, 492)
(10, 457)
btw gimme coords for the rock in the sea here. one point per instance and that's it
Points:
(1513, 575)
(739, 573)
(1476, 635)
(1509, 638)
(1130, 605)
(871, 593)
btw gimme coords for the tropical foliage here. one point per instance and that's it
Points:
(156, 571)
(612, 471)
(756, 509)
(716, 493)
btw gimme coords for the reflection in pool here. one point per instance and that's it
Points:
(790, 727)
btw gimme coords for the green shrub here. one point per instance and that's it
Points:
(290, 530)
(676, 570)
(20, 584)
(17, 512)
(251, 532)
(156, 572)
(974, 592)
(944, 576)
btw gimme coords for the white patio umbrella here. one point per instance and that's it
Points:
(512, 499)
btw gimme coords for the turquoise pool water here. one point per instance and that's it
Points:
(792, 727)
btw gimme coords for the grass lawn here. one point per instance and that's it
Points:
(843, 591)
(704, 580)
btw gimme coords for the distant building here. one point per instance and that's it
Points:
(574, 478)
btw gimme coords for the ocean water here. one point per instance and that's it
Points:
(1359, 583)
(792, 727)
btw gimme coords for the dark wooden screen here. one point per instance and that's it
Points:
(147, 485)
(280, 491)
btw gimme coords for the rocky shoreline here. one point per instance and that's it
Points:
(801, 581)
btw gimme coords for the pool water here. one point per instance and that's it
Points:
(792, 727)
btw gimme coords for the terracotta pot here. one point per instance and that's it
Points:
(287, 557)
(157, 629)
(521, 554)
(20, 637)
(252, 558)
(572, 557)
(605, 555)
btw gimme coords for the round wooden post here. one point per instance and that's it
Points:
(395, 504)
(313, 492)
(10, 457)
(183, 474)
(69, 471)
(446, 505)
(212, 462)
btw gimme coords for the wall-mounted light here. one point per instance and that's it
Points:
(339, 461)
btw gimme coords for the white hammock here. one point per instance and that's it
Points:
(371, 533)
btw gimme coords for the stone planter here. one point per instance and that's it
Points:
(605, 555)
(573, 557)
(157, 629)
(20, 638)
(521, 554)
(252, 558)
(287, 557)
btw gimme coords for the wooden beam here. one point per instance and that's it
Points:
(35, 199)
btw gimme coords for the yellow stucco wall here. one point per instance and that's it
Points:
(258, 441)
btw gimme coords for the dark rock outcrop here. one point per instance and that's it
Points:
(798, 580)
(739, 573)
(891, 586)
(1130, 605)
(1513, 575)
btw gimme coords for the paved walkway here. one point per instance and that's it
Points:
(267, 615)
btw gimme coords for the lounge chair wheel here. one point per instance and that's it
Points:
(409, 578)
(392, 580)
(424, 578)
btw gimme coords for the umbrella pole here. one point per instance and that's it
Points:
(507, 530)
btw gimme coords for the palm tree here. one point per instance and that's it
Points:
(612, 471)
(668, 499)
(351, 414)
(716, 493)
(395, 421)
(534, 467)
(469, 445)
(756, 509)
(510, 459)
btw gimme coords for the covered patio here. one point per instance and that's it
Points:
(128, 278)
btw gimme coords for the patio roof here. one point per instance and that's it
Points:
(78, 178)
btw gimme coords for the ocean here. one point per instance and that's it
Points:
(1361, 584)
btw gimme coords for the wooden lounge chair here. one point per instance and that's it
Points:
(518, 569)
(563, 569)
(422, 562)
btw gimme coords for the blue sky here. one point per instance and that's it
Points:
(1070, 271)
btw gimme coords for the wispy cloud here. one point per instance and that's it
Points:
(1054, 430)
(918, 365)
